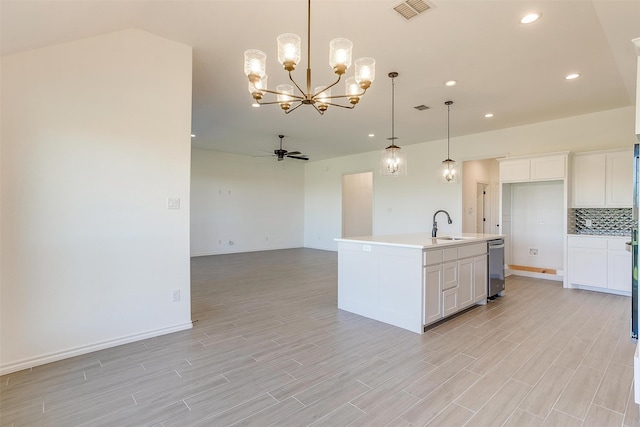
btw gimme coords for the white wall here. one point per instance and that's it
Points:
(537, 222)
(255, 202)
(407, 204)
(95, 138)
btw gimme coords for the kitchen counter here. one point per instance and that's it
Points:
(412, 280)
(421, 240)
(602, 236)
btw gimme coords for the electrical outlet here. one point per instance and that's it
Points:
(175, 295)
(533, 252)
(366, 248)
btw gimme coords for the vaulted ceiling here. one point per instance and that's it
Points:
(501, 66)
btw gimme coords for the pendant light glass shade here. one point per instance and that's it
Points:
(393, 161)
(449, 167)
(449, 171)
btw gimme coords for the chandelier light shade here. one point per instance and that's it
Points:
(289, 55)
(449, 167)
(393, 161)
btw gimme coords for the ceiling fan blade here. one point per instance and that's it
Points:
(299, 157)
(295, 153)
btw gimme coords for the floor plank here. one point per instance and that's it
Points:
(271, 348)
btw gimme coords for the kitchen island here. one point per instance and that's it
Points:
(412, 280)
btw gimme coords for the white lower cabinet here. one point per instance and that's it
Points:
(465, 282)
(454, 279)
(432, 292)
(599, 263)
(449, 301)
(480, 277)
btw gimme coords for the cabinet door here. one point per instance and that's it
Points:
(620, 179)
(480, 279)
(449, 301)
(620, 271)
(547, 168)
(514, 170)
(465, 282)
(588, 180)
(588, 267)
(432, 293)
(449, 275)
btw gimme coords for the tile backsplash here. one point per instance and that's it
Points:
(601, 221)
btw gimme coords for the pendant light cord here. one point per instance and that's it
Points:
(448, 127)
(393, 109)
(448, 104)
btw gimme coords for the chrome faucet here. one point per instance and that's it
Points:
(434, 230)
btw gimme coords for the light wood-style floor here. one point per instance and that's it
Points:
(271, 348)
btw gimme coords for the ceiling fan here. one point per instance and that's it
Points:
(281, 153)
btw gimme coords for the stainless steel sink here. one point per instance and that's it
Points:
(454, 238)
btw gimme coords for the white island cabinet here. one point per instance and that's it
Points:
(411, 280)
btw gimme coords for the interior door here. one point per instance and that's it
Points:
(482, 207)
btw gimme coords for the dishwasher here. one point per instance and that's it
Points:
(496, 268)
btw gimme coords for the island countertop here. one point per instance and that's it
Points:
(421, 240)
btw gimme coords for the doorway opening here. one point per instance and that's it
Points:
(357, 204)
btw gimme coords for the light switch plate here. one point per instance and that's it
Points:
(173, 203)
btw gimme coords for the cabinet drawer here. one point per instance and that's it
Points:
(472, 250)
(432, 257)
(450, 254)
(618, 244)
(587, 242)
(449, 275)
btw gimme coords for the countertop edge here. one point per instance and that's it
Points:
(430, 242)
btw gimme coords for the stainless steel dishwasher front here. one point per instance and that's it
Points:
(496, 267)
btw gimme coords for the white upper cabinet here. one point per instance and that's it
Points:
(588, 180)
(538, 168)
(603, 179)
(620, 179)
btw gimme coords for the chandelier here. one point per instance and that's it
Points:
(393, 161)
(449, 166)
(320, 97)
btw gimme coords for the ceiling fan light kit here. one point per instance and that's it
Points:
(289, 55)
(281, 153)
(393, 161)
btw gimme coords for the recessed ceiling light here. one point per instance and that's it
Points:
(488, 115)
(531, 17)
(371, 135)
(193, 135)
(572, 76)
(450, 83)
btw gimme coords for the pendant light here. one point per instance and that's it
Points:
(393, 161)
(449, 171)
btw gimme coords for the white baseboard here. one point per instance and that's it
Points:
(534, 274)
(54, 357)
(603, 290)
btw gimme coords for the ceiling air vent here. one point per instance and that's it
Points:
(411, 8)
(421, 107)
